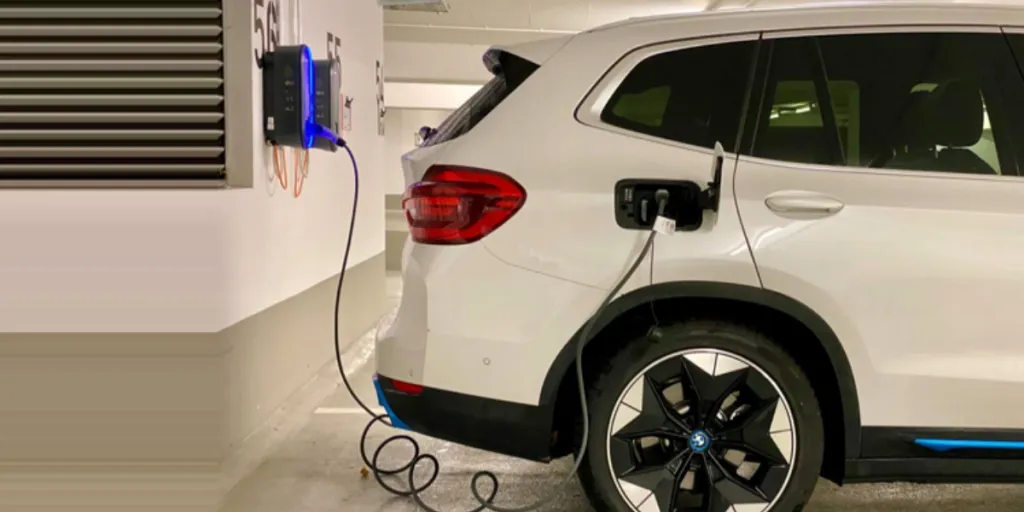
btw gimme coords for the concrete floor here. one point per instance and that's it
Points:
(319, 471)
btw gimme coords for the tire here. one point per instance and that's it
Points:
(710, 356)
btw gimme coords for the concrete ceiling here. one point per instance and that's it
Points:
(509, 21)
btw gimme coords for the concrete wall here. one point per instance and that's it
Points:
(155, 332)
(401, 127)
(429, 96)
(435, 62)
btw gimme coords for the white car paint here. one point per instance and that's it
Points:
(918, 274)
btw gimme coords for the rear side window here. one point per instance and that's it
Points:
(510, 72)
(694, 96)
(941, 102)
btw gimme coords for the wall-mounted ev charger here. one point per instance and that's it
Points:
(327, 100)
(288, 77)
(301, 99)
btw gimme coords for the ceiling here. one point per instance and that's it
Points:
(509, 21)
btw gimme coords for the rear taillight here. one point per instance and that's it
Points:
(407, 388)
(459, 205)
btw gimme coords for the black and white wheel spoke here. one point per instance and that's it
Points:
(701, 431)
(767, 433)
(736, 489)
(644, 413)
(714, 390)
(671, 374)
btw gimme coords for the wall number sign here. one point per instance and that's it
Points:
(266, 21)
(334, 55)
(334, 49)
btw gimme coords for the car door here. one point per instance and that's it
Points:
(880, 187)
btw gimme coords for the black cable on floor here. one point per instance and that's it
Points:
(486, 503)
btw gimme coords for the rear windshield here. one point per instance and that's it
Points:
(510, 72)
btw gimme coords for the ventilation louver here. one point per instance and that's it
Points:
(108, 90)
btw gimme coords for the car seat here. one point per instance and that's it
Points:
(943, 127)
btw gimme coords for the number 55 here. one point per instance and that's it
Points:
(334, 48)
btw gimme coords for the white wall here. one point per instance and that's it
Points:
(402, 125)
(201, 260)
(282, 245)
(406, 95)
(435, 62)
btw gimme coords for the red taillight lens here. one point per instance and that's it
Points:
(407, 388)
(459, 205)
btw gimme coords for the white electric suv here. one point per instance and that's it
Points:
(845, 300)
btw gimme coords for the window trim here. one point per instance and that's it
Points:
(751, 131)
(881, 29)
(588, 112)
(1017, 125)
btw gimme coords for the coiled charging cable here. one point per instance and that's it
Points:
(414, 490)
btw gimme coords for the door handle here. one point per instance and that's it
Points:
(803, 204)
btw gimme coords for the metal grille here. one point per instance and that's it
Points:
(111, 90)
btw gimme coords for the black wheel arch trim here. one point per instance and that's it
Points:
(737, 292)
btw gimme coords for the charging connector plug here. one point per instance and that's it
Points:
(663, 224)
(321, 132)
(661, 197)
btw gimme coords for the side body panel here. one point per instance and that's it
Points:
(919, 274)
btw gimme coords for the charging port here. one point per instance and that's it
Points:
(637, 208)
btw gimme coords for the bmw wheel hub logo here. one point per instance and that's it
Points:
(699, 441)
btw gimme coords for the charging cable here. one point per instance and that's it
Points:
(662, 225)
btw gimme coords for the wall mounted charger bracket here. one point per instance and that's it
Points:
(288, 79)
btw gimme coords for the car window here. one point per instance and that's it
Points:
(920, 101)
(796, 114)
(694, 95)
(509, 73)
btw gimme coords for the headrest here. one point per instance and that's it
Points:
(952, 115)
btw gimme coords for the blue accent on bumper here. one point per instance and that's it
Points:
(395, 422)
(945, 445)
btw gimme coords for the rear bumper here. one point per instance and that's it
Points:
(507, 428)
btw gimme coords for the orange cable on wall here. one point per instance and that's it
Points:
(301, 170)
(281, 167)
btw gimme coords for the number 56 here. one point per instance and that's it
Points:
(270, 31)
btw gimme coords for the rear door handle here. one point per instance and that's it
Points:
(803, 204)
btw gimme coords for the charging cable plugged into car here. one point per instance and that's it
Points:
(686, 200)
(666, 197)
(300, 111)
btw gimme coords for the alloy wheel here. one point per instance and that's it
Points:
(703, 431)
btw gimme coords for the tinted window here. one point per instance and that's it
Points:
(935, 102)
(509, 73)
(693, 96)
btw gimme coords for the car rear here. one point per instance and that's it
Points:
(466, 317)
